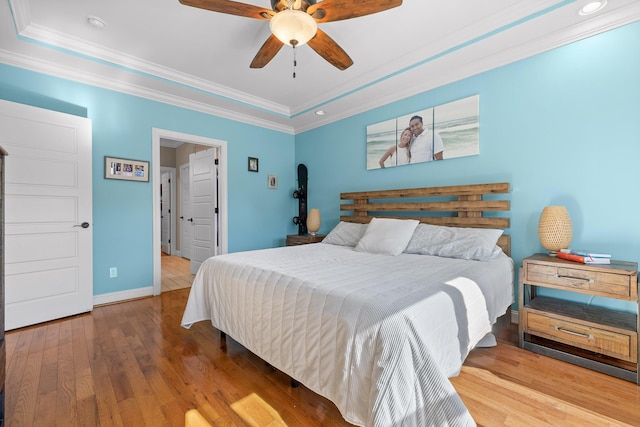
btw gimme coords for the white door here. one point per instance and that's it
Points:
(48, 214)
(202, 181)
(186, 220)
(165, 213)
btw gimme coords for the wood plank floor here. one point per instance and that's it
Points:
(175, 273)
(131, 364)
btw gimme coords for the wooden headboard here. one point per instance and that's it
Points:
(453, 206)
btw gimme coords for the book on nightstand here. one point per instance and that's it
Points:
(585, 253)
(588, 259)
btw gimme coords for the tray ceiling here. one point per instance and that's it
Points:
(197, 59)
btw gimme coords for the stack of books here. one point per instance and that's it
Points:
(584, 257)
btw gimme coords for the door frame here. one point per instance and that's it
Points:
(157, 135)
(172, 192)
(182, 210)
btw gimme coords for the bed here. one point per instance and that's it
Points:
(377, 333)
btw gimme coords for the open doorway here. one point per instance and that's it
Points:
(189, 229)
(221, 148)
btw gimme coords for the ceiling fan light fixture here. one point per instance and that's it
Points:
(293, 27)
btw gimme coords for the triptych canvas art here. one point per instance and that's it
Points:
(442, 132)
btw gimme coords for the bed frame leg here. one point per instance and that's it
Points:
(294, 383)
(223, 338)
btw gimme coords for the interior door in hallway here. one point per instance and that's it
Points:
(186, 220)
(165, 213)
(203, 174)
(48, 215)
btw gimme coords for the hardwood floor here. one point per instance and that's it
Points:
(131, 364)
(175, 273)
(506, 385)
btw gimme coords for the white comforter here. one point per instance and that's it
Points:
(377, 335)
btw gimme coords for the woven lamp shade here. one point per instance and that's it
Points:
(313, 221)
(554, 229)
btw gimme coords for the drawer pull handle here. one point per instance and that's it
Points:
(578, 334)
(558, 276)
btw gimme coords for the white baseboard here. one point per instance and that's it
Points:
(112, 297)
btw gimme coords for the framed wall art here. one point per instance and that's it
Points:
(126, 169)
(442, 132)
(252, 164)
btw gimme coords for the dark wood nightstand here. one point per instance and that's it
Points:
(304, 239)
(594, 337)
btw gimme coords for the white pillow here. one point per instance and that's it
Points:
(455, 242)
(345, 234)
(387, 236)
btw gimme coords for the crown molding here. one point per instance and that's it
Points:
(20, 13)
(431, 51)
(78, 47)
(383, 86)
(404, 87)
(57, 70)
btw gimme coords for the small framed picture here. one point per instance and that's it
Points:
(127, 169)
(272, 181)
(253, 164)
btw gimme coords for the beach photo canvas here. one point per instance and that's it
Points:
(451, 128)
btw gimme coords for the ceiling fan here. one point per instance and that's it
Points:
(295, 22)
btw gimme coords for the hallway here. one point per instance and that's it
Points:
(175, 273)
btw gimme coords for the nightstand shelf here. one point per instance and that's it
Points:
(595, 337)
(303, 239)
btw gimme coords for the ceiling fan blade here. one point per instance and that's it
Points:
(337, 10)
(329, 50)
(231, 8)
(267, 52)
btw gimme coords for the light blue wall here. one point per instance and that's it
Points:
(562, 127)
(122, 211)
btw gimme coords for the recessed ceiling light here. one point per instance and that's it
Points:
(592, 7)
(320, 113)
(96, 22)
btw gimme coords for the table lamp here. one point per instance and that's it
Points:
(313, 221)
(554, 229)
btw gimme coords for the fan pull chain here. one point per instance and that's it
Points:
(294, 43)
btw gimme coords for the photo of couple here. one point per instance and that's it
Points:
(443, 132)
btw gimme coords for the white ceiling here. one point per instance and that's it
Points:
(163, 50)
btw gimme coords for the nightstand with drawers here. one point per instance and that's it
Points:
(304, 239)
(594, 337)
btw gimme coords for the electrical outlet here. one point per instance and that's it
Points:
(113, 272)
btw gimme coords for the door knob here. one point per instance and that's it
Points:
(83, 225)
